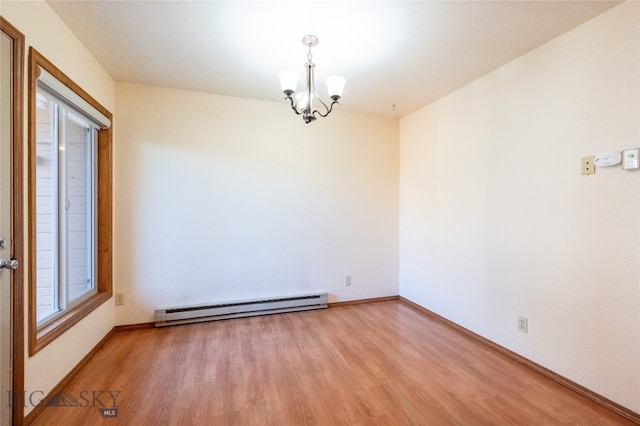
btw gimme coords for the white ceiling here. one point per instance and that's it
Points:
(407, 53)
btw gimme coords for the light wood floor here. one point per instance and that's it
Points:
(371, 364)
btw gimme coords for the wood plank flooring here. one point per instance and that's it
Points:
(379, 363)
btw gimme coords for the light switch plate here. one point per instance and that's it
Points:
(630, 159)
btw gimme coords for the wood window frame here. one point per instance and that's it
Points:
(41, 336)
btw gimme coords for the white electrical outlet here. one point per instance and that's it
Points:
(523, 324)
(348, 280)
(119, 299)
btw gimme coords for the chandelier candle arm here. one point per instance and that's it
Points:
(302, 103)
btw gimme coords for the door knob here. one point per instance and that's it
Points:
(8, 264)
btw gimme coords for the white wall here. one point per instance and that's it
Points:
(219, 198)
(496, 220)
(44, 31)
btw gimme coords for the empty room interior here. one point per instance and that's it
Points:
(451, 237)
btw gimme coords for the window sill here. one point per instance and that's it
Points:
(47, 333)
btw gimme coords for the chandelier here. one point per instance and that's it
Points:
(307, 102)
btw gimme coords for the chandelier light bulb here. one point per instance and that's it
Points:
(335, 86)
(288, 80)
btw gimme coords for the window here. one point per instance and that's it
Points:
(65, 205)
(69, 203)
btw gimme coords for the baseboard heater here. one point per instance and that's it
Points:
(240, 308)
